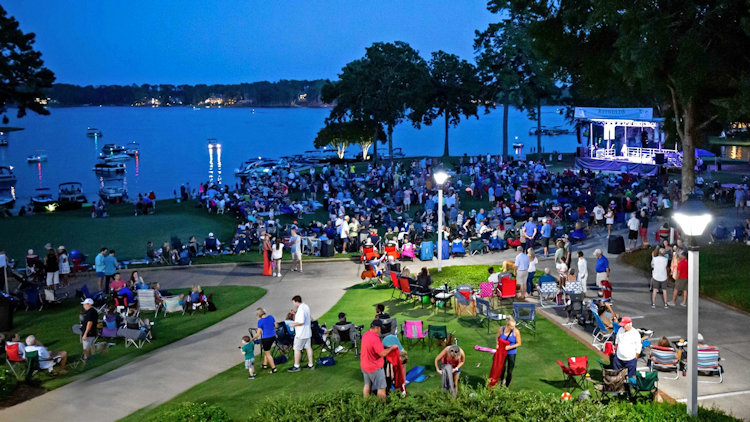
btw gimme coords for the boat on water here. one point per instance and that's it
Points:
(132, 149)
(7, 200)
(70, 195)
(3, 139)
(37, 157)
(397, 153)
(112, 149)
(7, 177)
(113, 190)
(93, 132)
(545, 131)
(42, 200)
(108, 168)
(115, 158)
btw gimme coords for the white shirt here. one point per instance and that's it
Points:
(634, 224)
(277, 251)
(344, 230)
(583, 268)
(598, 212)
(494, 278)
(659, 263)
(532, 265)
(44, 359)
(302, 316)
(628, 344)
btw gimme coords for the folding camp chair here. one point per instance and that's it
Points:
(390, 326)
(347, 333)
(412, 332)
(109, 329)
(418, 292)
(575, 372)
(436, 332)
(545, 291)
(396, 284)
(319, 341)
(486, 291)
(405, 284)
(476, 246)
(614, 384)
(483, 310)
(391, 250)
(601, 333)
(14, 359)
(135, 337)
(464, 300)
(645, 385)
(172, 304)
(525, 315)
(506, 290)
(665, 359)
(147, 301)
(284, 340)
(708, 362)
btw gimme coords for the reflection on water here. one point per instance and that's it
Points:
(137, 165)
(214, 146)
(39, 170)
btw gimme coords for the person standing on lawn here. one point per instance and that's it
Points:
(88, 328)
(602, 267)
(371, 360)
(302, 334)
(110, 267)
(267, 258)
(510, 334)
(659, 277)
(628, 345)
(248, 351)
(598, 214)
(528, 232)
(295, 247)
(634, 226)
(681, 281)
(267, 335)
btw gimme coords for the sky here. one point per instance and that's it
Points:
(230, 41)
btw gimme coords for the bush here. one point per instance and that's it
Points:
(471, 404)
(193, 412)
(8, 383)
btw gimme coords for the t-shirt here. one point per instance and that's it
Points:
(110, 265)
(249, 351)
(682, 269)
(99, 263)
(44, 358)
(644, 222)
(370, 360)
(302, 316)
(602, 264)
(268, 325)
(659, 272)
(598, 213)
(93, 316)
(529, 228)
(633, 224)
(546, 230)
(522, 262)
(294, 241)
(628, 344)
(559, 255)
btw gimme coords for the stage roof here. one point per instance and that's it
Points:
(599, 114)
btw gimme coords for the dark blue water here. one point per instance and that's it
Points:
(173, 142)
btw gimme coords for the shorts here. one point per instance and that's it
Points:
(249, 363)
(633, 235)
(681, 284)
(100, 274)
(53, 278)
(739, 204)
(644, 234)
(600, 277)
(598, 222)
(610, 221)
(88, 343)
(297, 256)
(545, 242)
(267, 343)
(407, 201)
(657, 285)
(376, 380)
(302, 343)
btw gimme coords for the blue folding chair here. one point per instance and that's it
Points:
(601, 333)
(525, 315)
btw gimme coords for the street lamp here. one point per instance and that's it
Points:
(440, 178)
(693, 217)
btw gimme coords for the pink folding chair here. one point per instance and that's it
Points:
(486, 290)
(412, 331)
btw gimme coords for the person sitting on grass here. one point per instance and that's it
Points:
(380, 312)
(248, 351)
(47, 359)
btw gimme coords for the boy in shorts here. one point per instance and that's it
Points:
(248, 349)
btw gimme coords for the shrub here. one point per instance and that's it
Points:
(471, 404)
(193, 412)
(8, 383)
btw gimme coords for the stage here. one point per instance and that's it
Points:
(617, 165)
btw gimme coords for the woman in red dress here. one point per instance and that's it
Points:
(267, 268)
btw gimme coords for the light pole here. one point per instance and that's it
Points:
(693, 217)
(440, 178)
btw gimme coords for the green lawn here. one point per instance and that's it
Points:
(723, 271)
(535, 368)
(53, 328)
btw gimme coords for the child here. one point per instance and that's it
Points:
(248, 349)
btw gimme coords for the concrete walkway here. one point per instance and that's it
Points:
(159, 376)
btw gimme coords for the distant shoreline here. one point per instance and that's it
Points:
(190, 106)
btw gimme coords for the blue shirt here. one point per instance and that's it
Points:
(99, 263)
(602, 264)
(268, 325)
(529, 228)
(522, 262)
(547, 278)
(546, 230)
(110, 265)
(293, 243)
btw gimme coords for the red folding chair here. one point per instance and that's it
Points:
(405, 286)
(506, 290)
(575, 372)
(396, 283)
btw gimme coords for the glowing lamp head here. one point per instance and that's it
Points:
(693, 217)
(441, 177)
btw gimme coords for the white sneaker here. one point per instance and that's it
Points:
(279, 275)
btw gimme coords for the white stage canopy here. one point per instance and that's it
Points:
(596, 113)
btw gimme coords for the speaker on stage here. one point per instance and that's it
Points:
(616, 245)
(659, 159)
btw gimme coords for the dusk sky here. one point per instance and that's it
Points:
(189, 41)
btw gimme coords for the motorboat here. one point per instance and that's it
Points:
(113, 191)
(70, 195)
(397, 153)
(37, 157)
(7, 177)
(42, 200)
(7, 198)
(93, 132)
(115, 158)
(3, 139)
(112, 149)
(108, 168)
(250, 167)
(554, 131)
(132, 149)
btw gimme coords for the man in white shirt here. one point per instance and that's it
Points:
(628, 345)
(598, 214)
(302, 334)
(344, 234)
(659, 277)
(47, 359)
(583, 270)
(634, 225)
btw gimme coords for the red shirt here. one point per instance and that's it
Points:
(682, 269)
(370, 360)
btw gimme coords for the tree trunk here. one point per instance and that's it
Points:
(375, 147)
(390, 142)
(688, 149)
(506, 109)
(445, 148)
(539, 127)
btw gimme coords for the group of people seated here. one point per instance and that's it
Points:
(18, 351)
(174, 252)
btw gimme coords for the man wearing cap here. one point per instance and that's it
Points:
(88, 327)
(371, 360)
(602, 268)
(522, 269)
(628, 345)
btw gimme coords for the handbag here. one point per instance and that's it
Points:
(326, 361)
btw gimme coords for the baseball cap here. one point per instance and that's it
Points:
(376, 323)
(625, 321)
(87, 301)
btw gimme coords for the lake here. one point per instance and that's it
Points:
(173, 142)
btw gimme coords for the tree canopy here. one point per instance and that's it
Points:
(23, 76)
(342, 134)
